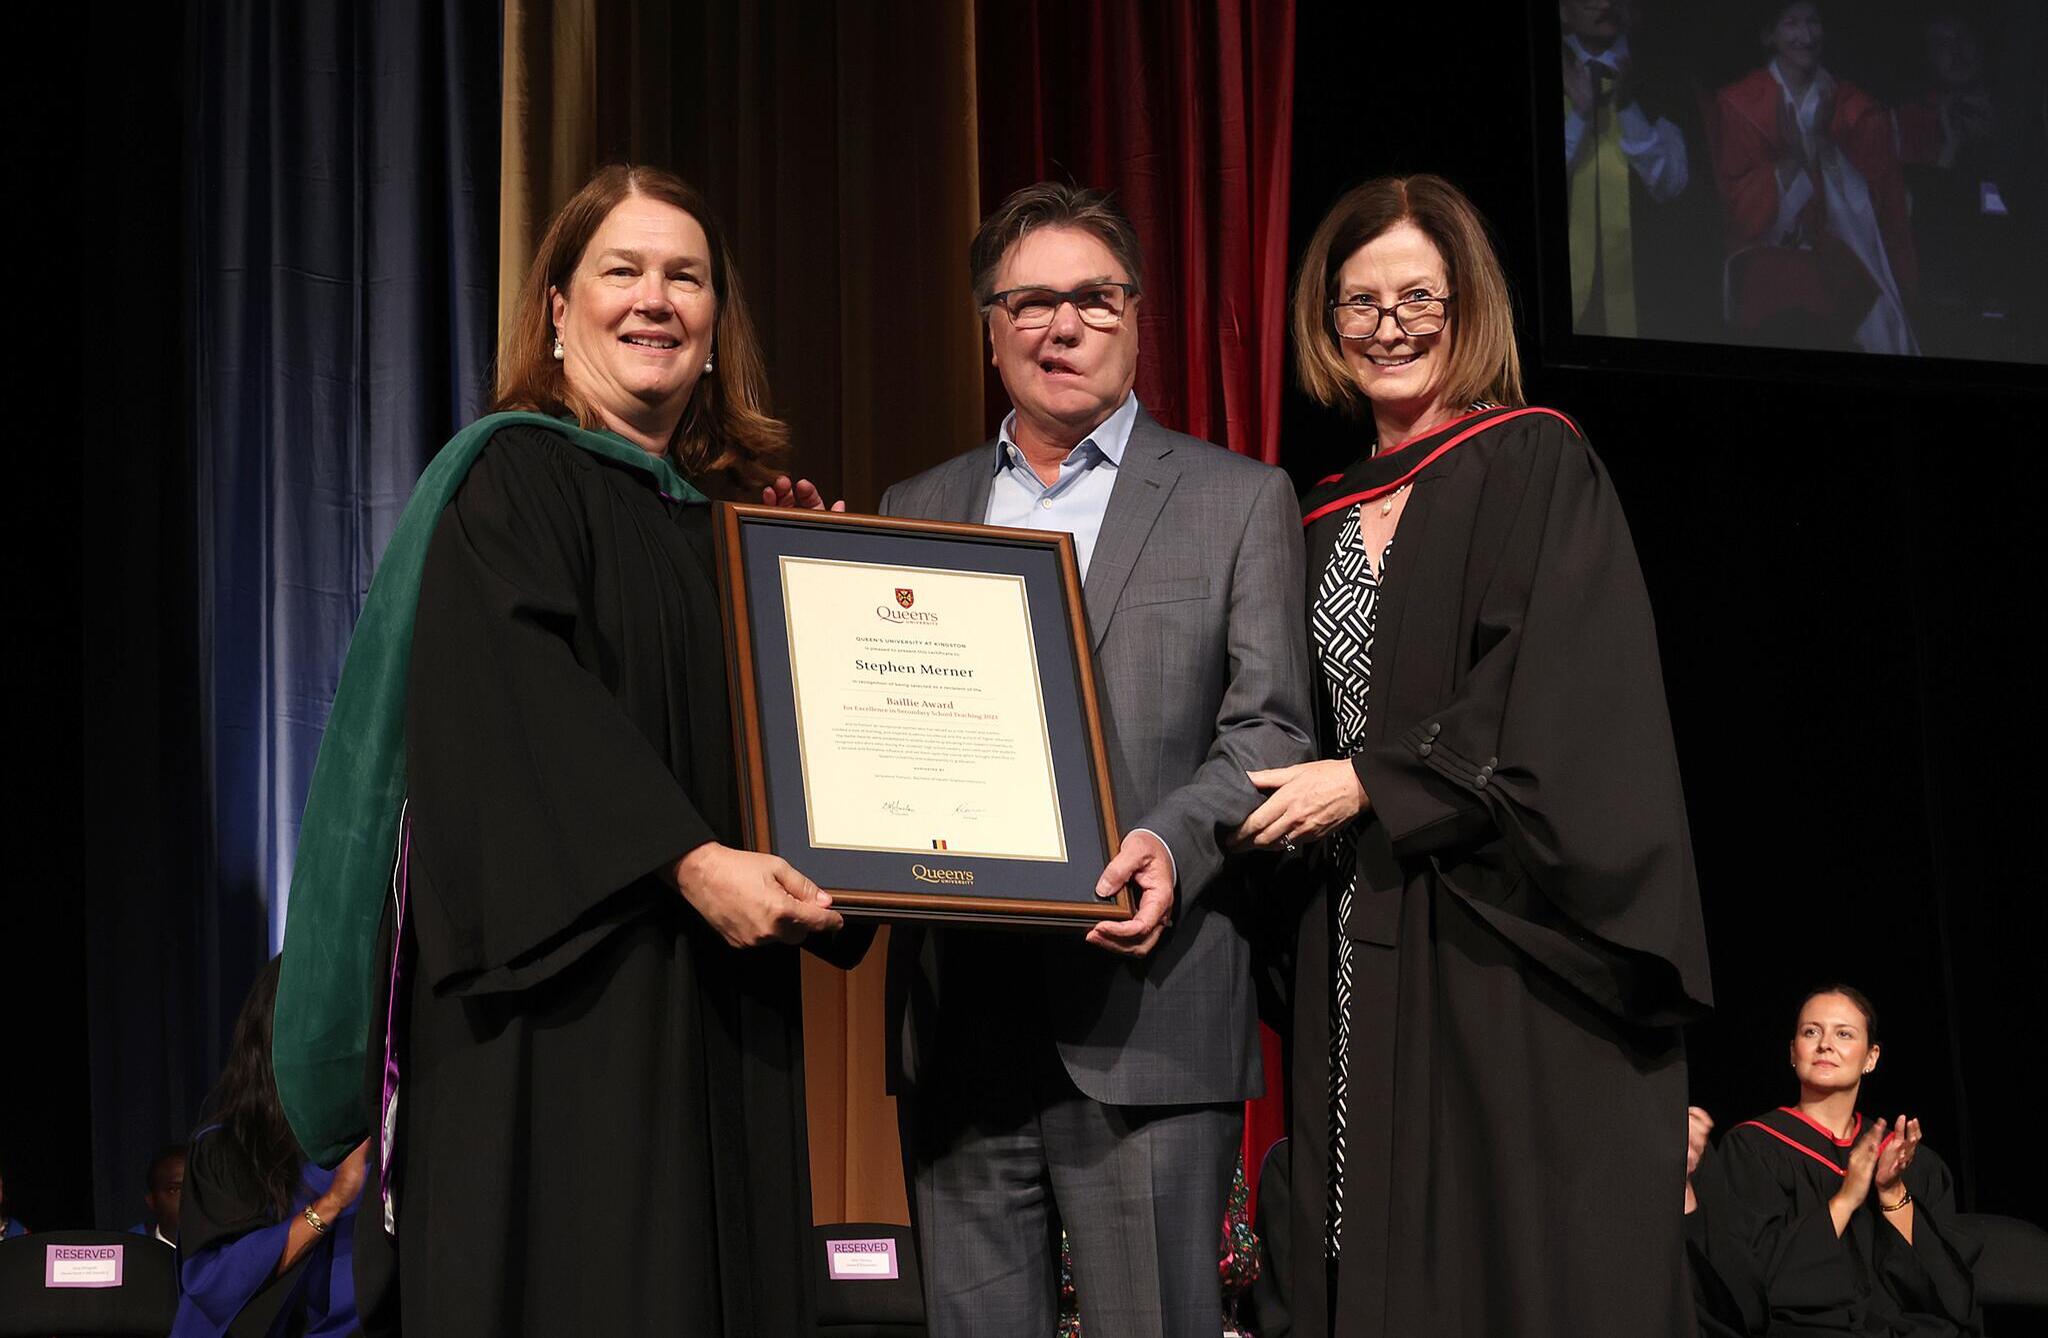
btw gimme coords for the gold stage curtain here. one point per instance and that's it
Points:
(837, 144)
(547, 137)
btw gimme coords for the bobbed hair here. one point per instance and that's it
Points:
(1853, 995)
(727, 431)
(1484, 363)
(1051, 204)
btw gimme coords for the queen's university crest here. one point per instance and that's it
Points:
(905, 596)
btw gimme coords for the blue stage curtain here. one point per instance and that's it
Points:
(339, 268)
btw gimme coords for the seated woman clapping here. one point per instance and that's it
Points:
(1840, 1225)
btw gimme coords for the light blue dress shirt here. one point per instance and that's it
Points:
(1077, 500)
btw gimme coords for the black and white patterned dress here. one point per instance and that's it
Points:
(1341, 625)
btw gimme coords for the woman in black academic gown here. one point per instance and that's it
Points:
(1505, 934)
(1826, 1223)
(594, 1081)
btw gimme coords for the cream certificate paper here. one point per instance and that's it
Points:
(920, 716)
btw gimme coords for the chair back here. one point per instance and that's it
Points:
(87, 1282)
(2013, 1270)
(868, 1281)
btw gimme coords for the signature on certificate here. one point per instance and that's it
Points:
(897, 808)
(969, 812)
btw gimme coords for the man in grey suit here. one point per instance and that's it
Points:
(1045, 1082)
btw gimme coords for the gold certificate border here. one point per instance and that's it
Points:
(783, 562)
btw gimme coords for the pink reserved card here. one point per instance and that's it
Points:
(82, 1265)
(861, 1260)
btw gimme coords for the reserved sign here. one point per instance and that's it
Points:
(861, 1260)
(82, 1265)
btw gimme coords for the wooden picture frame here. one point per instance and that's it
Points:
(943, 761)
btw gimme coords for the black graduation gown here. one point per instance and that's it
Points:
(1526, 924)
(600, 1121)
(1726, 1288)
(1774, 1176)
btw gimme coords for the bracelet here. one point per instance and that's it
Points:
(1894, 1207)
(313, 1220)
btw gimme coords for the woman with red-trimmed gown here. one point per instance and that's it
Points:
(1841, 1224)
(1504, 936)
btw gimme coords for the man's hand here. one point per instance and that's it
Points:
(1791, 146)
(1143, 860)
(752, 899)
(1624, 90)
(1824, 105)
(802, 495)
(1578, 84)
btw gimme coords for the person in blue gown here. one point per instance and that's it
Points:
(265, 1234)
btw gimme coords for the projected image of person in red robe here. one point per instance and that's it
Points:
(1820, 254)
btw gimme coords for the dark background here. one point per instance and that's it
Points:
(1842, 566)
(1968, 263)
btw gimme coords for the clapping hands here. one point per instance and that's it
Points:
(1698, 1124)
(1879, 1162)
(1894, 1157)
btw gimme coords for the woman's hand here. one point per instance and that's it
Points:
(300, 1234)
(1857, 1177)
(348, 1184)
(802, 495)
(1894, 1158)
(750, 899)
(1889, 1178)
(1698, 1124)
(1307, 802)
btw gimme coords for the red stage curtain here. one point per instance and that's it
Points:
(1183, 108)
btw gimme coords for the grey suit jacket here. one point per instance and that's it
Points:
(1194, 595)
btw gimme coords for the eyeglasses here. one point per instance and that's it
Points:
(1359, 319)
(1099, 305)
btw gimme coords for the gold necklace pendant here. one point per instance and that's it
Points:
(1387, 507)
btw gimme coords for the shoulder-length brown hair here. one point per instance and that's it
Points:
(727, 432)
(1484, 363)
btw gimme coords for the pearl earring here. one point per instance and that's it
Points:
(558, 348)
(707, 362)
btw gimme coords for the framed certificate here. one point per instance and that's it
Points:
(915, 715)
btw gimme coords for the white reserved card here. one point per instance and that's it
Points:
(861, 1260)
